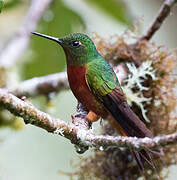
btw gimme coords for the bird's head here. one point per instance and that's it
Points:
(78, 47)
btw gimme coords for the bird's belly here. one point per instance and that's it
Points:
(81, 90)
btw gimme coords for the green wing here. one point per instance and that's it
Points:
(101, 78)
(105, 86)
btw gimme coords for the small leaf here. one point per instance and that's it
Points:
(11, 4)
(1, 5)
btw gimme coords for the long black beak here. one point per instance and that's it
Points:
(48, 37)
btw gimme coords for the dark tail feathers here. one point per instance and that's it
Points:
(129, 124)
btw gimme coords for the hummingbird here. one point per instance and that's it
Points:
(96, 86)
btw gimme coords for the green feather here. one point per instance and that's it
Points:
(100, 77)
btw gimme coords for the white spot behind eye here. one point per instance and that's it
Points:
(76, 43)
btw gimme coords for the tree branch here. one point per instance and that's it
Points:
(163, 13)
(78, 136)
(81, 137)
(42, 85)
(15, 48)
(81, 122)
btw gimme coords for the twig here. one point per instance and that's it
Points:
(134, 50)
(163, 13)
(42, 85)
(76, 135)
(15, 48)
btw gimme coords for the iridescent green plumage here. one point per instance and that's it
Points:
(100, 74)
(99, 82)
(95, 85)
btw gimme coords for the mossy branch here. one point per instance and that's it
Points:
(81, 137)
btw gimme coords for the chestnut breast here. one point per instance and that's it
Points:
(81, 90)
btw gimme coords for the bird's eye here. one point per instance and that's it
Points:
(76, 43)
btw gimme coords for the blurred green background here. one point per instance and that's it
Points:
(32, 153)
